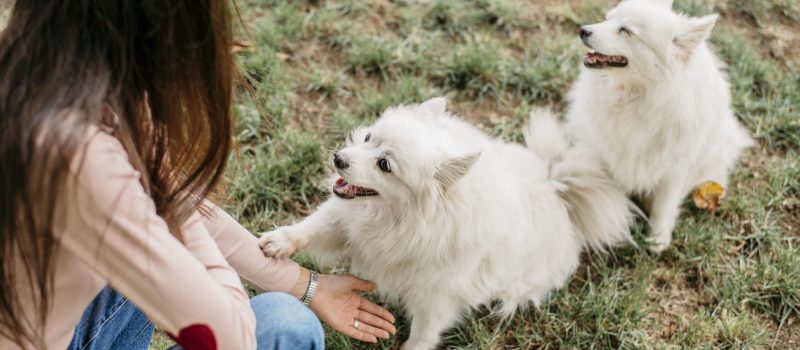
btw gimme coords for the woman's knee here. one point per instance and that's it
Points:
(283, 322)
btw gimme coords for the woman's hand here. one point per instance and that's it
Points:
(338, 303)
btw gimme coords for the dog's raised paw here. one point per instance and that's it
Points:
(277, 244)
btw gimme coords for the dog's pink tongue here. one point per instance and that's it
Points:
(342, 187)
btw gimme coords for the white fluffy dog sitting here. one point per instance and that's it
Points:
(655, 105)
(444, 218)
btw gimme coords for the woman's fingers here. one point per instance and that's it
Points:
(358, 334)
(366, 328)
(375, 321)
(376, 310)
(361, 285)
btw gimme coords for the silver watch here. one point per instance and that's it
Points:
(312, 288)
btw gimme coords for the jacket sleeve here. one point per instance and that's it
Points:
(241, 250)
(184, 286)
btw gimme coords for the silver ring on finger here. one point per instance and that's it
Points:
(356, 323)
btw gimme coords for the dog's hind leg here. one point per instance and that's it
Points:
(666, 202)
(429, 320)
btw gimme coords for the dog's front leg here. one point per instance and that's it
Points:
(666, 202)
(322, 228)
(429, 320)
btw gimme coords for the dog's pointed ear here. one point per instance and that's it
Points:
(663, 3)
(695, 31)
(435, 106)
(454, 169)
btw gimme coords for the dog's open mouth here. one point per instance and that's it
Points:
(345, 190)
(594, 59)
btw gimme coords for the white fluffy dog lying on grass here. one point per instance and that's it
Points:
(656, 107)
(444, 218)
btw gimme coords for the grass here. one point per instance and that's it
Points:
(730, 280)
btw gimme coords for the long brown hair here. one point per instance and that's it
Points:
(159, 72)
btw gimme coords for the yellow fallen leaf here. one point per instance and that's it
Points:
(708, 196)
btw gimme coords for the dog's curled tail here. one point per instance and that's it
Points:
(544, 135)
(600, 211)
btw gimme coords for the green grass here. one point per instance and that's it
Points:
(320, 68)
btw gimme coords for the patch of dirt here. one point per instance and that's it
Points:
(485, 112)
(777, 40)
(678, 302)
(783, 38)
(789, 336)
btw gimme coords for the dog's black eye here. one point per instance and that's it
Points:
(384, 165)
(624, 30)
(366, 139)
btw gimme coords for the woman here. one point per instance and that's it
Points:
(115, 125)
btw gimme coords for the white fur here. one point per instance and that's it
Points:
(463, 219)
(662, 125)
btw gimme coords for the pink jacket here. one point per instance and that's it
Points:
(109, 233)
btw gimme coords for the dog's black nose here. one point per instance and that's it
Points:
(585, 33)
(340, 161)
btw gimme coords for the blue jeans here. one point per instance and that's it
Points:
(112, 322)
